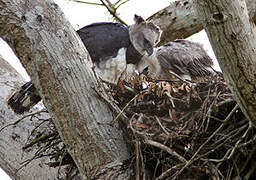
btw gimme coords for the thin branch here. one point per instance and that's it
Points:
(165, 148)
(24, 117)
(112, 11)
(40, 139)
(213, 134)
(158, 121)
(180, 78)
(168, 172)
(117, 6)
(238, 142)
(122, 111)
(137, 148)
(89, 3)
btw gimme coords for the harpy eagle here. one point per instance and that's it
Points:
(111, 47)
(183, 57)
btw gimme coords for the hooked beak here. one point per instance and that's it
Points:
(149, 50)
(148, 47)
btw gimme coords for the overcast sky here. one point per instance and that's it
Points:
(82, 14)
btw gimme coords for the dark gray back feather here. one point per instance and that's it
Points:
(103, 40)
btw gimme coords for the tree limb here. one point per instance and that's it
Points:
(61, 70)
(179, 20)
(233, 38)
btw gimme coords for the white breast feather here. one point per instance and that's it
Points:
(111, 69)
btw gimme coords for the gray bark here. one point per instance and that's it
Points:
(59, 65)
(14, 137)
(179, 20)
(233, 38)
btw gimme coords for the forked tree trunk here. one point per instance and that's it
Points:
(59, 65)
(233, 38)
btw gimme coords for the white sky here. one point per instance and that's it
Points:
(82, 14)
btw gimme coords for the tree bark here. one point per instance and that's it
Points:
(13, 138)
(179, 20)
(59, 65)
(233, 38)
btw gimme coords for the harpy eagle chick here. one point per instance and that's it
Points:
(185, 58)
(111, 46)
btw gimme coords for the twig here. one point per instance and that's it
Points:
(226, 138)
(180, 78)
(210, 111)
(19, 120)
(204, 106)
(238, 142)
(165, 174)
(140, 133)
(61, 159)
(32, 132)
(137, 148)
(121, 112)
(117, 6)
(158, 121)
(213, 134)
(165, 148)
(251, 171)
(251, 141)
(170, 98)
(112, 11)
(89, 3)
(41, 138)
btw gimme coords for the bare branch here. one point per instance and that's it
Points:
(117, 6)
(89, 3)
(112, 10)
(213, 134)
(165, 148)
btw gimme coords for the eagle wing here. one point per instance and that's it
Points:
(184, 57)
(104, 40)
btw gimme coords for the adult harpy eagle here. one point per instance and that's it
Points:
(111, 46)
(185, 58)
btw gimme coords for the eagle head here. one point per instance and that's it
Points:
(144, 35)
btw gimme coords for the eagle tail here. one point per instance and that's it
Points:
(24, 99)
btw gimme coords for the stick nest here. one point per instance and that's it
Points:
(178, 130)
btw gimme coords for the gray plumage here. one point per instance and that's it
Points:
(144, 35)
(185, 58)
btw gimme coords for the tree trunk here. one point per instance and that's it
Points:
(180, 20)
(59, 65)
(232, 36)
(14, 137)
